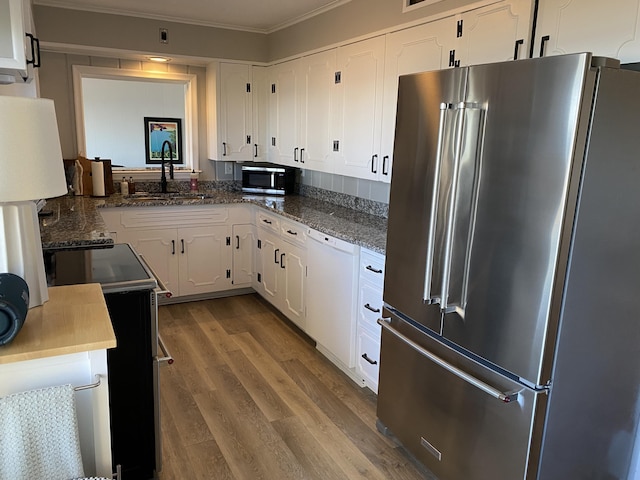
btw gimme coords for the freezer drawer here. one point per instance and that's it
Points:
(455, 429)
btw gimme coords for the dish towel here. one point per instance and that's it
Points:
(39, 435)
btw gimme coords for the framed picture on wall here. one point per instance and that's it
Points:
(157, 131)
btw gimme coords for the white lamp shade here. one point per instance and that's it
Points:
(31, 165)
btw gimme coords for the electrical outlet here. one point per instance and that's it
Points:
(228, 168)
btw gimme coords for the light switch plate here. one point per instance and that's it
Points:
(228, 168)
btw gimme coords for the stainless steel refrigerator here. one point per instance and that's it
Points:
(511, 328)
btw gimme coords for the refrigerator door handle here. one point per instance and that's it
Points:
(427, 297)
(446, 307)
(506, 397)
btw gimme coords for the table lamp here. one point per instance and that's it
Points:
(31, 168)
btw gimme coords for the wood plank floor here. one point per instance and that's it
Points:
(248, 397)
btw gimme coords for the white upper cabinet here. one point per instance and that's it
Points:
(418, 49)
(236, 112)
(283, 117)
(495, 33)
(19, 48)
(317, 111)
(610, 29)
(300, 111)
(12, 56)
(360, 67)
(235, 121)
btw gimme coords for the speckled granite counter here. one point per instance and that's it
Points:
(76, 221)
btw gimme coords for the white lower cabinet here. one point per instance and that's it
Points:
(195, 258)
(369, 310)
(244, 239)
(281, 265)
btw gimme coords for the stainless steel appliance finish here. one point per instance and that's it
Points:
(268, 179)
(512, 262)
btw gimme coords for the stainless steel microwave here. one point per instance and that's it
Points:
(268, 179)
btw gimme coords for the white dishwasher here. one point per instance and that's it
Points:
(332, 291)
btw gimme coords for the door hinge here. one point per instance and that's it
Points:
(273, 141)
(338, 77)
(273, 88)
(259, 243)
(336, 145)
(228, 241)
(452, 59)
(228, 273)
(459, 30)
(248, 88)
(248, 139)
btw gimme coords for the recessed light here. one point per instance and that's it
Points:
(159, 59)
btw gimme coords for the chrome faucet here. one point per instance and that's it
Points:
(163, 176)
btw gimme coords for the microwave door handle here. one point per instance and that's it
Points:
(273, 180)
(427, 297)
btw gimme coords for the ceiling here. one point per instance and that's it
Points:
(263, 16)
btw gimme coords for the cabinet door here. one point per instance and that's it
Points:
(205, 259)
(284, 113)
(259, 93)
(368, 361)
(413, 50)
(269, 265)
(495, 33)
(243, 260)
(607, 29)
(235, 119)
(293, 274)
(317, 75)
(361, 69)
(12, 31)
(159, 248)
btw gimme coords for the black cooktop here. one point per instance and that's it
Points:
(117, 268)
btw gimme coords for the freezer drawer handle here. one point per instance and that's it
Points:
(385, 323)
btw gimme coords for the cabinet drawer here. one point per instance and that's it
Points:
(370, 306)
(372, 267)
(368, 358)
(293, 232)
(268, 221)
(157, 217)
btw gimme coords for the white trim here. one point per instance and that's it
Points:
(190, 142)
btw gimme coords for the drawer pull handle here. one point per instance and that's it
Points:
(291, 232)
(366, 357)
(267, 221)
(369, 307)
(374, 270)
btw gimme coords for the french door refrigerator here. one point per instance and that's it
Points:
(511, 328)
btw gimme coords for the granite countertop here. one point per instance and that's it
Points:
(76, 221)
